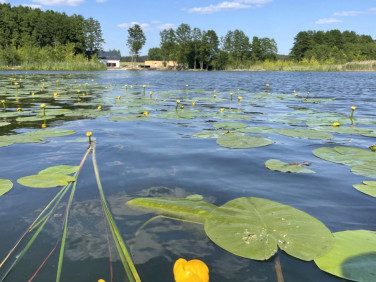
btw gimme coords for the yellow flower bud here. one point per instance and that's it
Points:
(19, 109)
(89, 134)
(3, 101)
(230, 93)
(193, 103)
(43, 106)
(353, 108)
(44, 125)
(118, 97)
(239, 98)
(178, 101)
(145, 113)
(101, 280)
(151, 93)
(336, 124)
(267, 85)
(222, 109)
(55, 94)
(99, 108)
(182, 107)
(143, 85)
(190, 271)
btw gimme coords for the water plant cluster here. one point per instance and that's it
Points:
(250, 227)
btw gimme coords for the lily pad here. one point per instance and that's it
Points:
(260, 129)
(208, 134)
(46, 180)
(367, 170)
(49, 133)
(353, 256)
(305, 133)
(129, 118)
(254, 228)
(368, 187)
(241, 141)
(278, 165)
(345, 155)
(229, 125)
(5, 186)
(188, 209)
(60, 169)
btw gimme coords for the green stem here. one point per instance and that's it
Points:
(120, 245)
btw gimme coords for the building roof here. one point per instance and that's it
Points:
(103, 55)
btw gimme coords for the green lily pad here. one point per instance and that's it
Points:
(178, 114)
(187, 209)
(254, 228)
(60, 169)
(129, 118)
(278, 165)
(208, 134)
(367, 170)
(229, 125)
(368, 187)
(345, 155)
(306, 134)
(241, 141)
(5, 186)
(46, 180)
(49, 133)
(3, 123)
(260, 129)
(353, 256)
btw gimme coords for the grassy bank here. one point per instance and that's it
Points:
(312, 66)
(58, 66)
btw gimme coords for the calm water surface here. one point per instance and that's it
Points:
(160, 157)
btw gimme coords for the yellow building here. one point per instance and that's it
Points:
(160, 64)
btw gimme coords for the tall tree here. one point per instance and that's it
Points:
(183, 39)
(196, 42)
(169, 47)
(136, 40)
(209, 47)
(93, 36)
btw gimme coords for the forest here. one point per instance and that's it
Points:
(194, 48)
(33, 39)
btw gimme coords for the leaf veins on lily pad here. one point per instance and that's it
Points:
(254, 228)
(278, 165)
(47, 180)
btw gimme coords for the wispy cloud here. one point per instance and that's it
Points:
(32, 6)
(59, 2)
(153, 25)
(337, 15)
(328, 21)
(371, 11)
(228, 6)
(101, 1)
(2, 1)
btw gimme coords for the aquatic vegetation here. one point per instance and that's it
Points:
(367, 187)
(5, 186)
(295, 167)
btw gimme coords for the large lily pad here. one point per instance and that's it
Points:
(49, 133)
(240, 141)
(5, 186)
(254, 228)
(345, 155)
(229, 125)
(47, 180)
(368, 187)
(278, 165)
(208, 134)
(306, 133)
(187, 209)
(353, 256)
(61, 169)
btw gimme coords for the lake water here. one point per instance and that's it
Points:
(161, 157)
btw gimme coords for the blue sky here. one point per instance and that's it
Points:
(278, 19)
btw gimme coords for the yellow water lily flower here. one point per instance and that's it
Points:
(222, 109)
(118, 97)
(101, 280)
(43, 106)
(240, 98)
(3, 101)
(44, 125)
(145, 113)
(19, 109)
(336, 124)
(267, 84)
(296, 94)
(151, 93)
(89, 134)
(353, 108)
(55, 94)
(193, 103)
(190, 271)
(178, 101)
(372, 148)
(99, 108)
(143, 85)
(214, 96)
(230, 93)
(181, 106)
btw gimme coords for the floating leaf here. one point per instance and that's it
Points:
(208, 134)
(3, 123)
(305, 133)
(345, 155)
(367, 170)
(49, 133)
(60, 169)
(255, 227)
(187, 209)
(195, 197)
(353, 256)
(45, 180)
(261, 129)
(229, 125)
(278, 165)
(5, 186)
(241, 141)
(129, 118)
(368, 187)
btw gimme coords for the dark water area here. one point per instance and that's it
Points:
(161, 157)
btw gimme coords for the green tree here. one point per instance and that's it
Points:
(183, 39)
(136, 40)
(196, 42)
(155, 54)
(93, 36)
(169, 47)
(209, 48)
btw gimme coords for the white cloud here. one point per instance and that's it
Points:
(59, 2)
(327, 21)
(154, 25)
(101, 1)
(32, 6)
(355, 13)
(229, 6)
(2, 1)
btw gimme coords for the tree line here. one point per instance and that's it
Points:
(31, 34)
(195, 48)
(333, 46)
